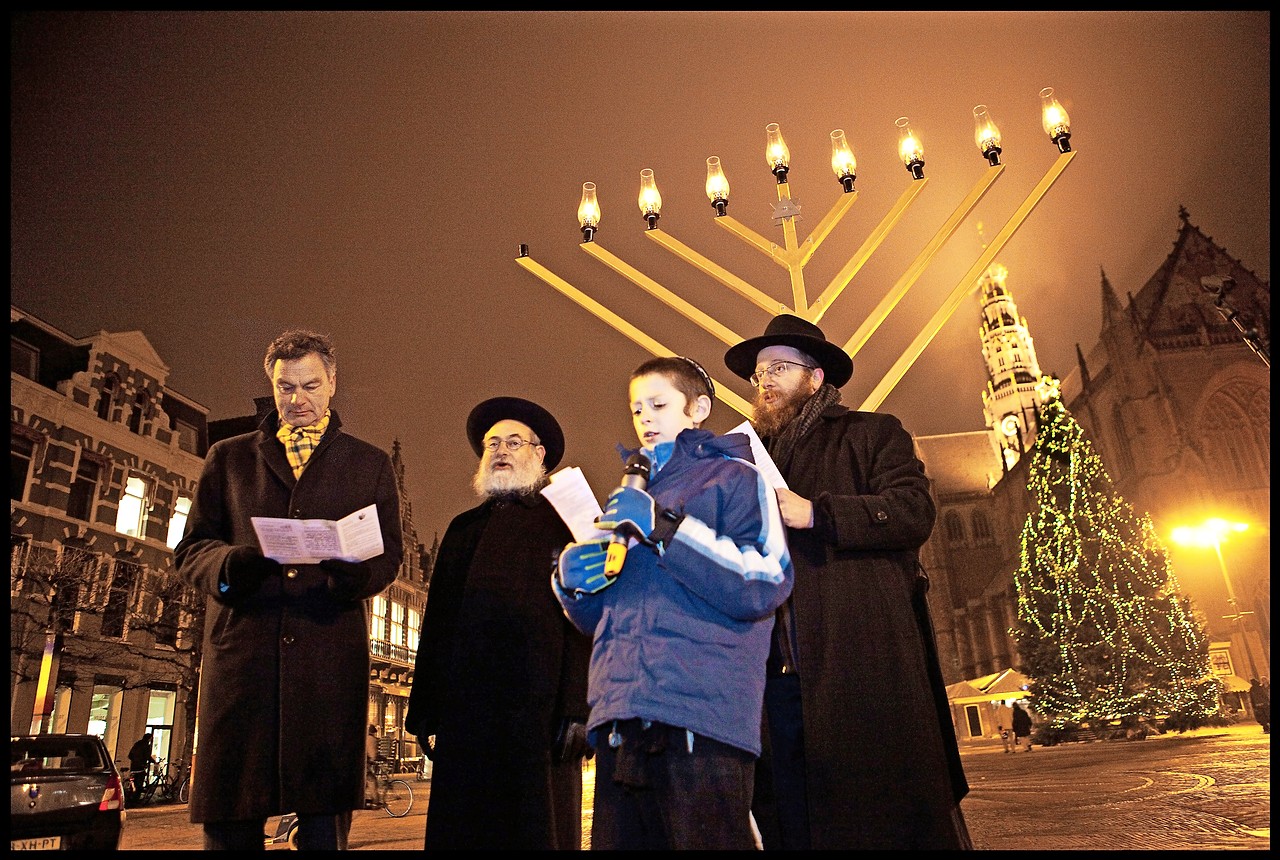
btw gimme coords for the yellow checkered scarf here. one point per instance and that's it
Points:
(299, 442)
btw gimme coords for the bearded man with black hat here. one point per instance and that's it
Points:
(501, 674)
(859, 749)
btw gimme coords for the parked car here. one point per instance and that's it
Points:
(64, 793)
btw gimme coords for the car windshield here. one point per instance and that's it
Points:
(28, 755)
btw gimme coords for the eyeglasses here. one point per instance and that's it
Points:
(512, 445)
(775, 370)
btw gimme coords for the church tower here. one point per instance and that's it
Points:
(1009, 401)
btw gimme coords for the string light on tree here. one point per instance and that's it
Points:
(1102, 626)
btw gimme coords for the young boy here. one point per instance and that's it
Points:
(681, 634)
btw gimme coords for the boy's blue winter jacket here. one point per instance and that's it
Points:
(682, 638)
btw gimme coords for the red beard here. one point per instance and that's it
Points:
(770, 418)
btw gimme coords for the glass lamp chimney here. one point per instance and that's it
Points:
(650, 200)
(717, 185)
(589, 211)
(776, 152)
(986, 134)
(843, 164)
(910, 148)
(1053, 116)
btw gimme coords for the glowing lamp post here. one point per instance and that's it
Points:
(1212, 533)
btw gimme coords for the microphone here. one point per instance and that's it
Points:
(636, 474)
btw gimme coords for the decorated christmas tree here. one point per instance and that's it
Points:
(1102, 627)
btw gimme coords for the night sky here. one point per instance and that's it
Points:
(211, 179)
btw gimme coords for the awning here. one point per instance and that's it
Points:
(1234, 683)
(996, 687)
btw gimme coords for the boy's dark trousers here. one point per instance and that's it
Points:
(652, 792)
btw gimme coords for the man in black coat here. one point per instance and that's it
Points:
(140, 760)
(284, 682)
(501, 674)
(860, 751)
(1021, 727)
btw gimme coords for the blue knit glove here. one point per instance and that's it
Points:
(629, 512)
(581, 568)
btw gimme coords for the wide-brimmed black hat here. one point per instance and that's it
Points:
(540, 421)
(797, 333)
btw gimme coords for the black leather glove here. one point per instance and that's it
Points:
(347, 579)
(245, 570)
(571, 742)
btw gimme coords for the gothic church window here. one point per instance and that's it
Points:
(1123, 455)
(1225, 431)
(955, 527)
(982, 528)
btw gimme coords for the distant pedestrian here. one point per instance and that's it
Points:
(140, 760)
(1260, 698)
(370, 773)
(1006, 738)
(1021, 727)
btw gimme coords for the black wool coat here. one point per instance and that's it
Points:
(284, 682)
(883, 763)
(498, 668)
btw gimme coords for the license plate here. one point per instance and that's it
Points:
(40, 843)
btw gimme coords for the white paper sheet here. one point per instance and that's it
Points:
(355, 537)
(572, 497)
(763, 460)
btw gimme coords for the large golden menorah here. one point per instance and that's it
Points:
(795, 254)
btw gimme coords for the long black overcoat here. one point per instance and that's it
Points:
(284, 682)
(883, 766)
(498, 668)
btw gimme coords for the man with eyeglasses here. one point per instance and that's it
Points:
(501, 675)
(859, 749)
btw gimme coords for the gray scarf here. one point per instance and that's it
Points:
(782, 446)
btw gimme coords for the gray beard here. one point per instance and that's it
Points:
(771, 419)
(525, 478)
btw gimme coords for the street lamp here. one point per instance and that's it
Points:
(1212, 533)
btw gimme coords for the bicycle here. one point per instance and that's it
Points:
(390, 792)
(174, 786)
(152, 778)
(184, 787)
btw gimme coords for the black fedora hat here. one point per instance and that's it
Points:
(797, 333)
(540, 421)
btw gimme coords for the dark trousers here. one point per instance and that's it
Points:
(315, 833)
(653, 793)
(787, 763)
